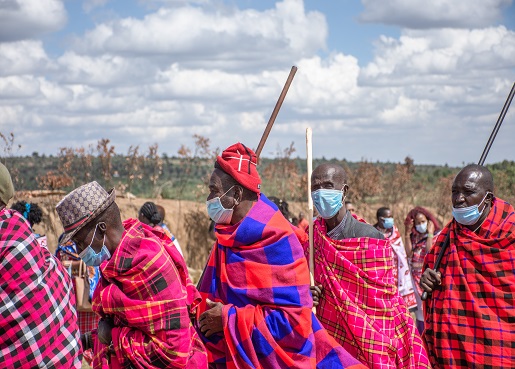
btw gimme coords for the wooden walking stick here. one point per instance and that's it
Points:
(482, 159)
(309, 158)
(275, 111)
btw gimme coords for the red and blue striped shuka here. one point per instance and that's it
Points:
(258, 271)
(38, 322)
(470, 317)
(360, 305)
(147, 291)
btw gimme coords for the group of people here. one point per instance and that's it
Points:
(254, 306)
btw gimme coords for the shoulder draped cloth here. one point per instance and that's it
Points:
(470, 318)
(360, 306)
(258, 271)
(146, 289)
(38, 321)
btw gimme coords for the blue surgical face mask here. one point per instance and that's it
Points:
(422, 227)
(217, 212)
(469, 215)
(90, 257)
(327, 202)
(388, 223)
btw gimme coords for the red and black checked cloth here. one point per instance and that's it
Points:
(360, 305)
(88, 321)
(146, 289)
(38, 325)
(470, 319)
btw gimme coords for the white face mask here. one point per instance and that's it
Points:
(422, 227)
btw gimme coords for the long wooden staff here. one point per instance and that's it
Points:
(309, 158)
(497, 126)
(275, 111)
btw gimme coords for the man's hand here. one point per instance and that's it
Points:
(430, 279)
(210, 321)
(104, 331)
(316, 291)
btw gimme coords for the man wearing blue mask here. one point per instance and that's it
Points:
(357, 301)
(257, 309)
(144, 296)
(469, 316)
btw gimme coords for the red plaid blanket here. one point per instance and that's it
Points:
(360, 305)
(38, 325)
(258, 270)
(147, 291)
(470, 319)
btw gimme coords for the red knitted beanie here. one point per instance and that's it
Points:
(240, 162)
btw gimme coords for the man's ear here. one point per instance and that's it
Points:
(238, 195)
(489, 197)
(345, 190)
(102, 226)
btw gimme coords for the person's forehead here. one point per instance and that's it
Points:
(215, 179)
(470, 179)
(420, 216)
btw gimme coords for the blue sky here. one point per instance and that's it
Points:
(377, 80)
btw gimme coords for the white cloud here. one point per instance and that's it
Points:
(106, 69)
(419, 14)
(23, 57)
(23, 19)
(221, 39)
(421, 57)
(180, 70)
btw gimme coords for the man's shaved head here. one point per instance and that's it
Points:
(479, 174)
(330, 172)
(473, 186)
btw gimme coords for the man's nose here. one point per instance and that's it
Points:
(460, 198)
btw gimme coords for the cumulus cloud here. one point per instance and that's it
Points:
(431, 56)
(23, 19)
(184, 69)
(421, 14)
(23, 57)
(222, 39)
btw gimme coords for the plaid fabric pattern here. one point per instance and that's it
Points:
(258, 271)
(360, 306)
(470, 318)
(87, 320)
(38, 325)
(147, 291)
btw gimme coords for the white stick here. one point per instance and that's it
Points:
(309, 158)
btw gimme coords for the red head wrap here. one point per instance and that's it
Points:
(240, 162)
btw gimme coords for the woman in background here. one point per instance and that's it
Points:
(34, 215)
(421, 228)
(150, 215)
